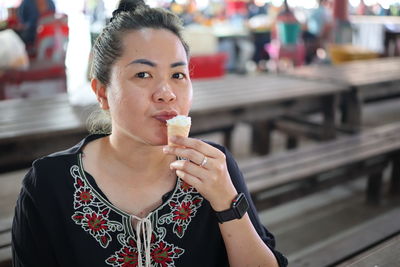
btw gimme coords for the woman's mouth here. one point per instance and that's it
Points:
(164, 116)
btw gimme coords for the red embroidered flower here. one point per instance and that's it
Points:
(162, 254)
(85, 196)
(127, 256)
(96, 222)
(183, 212)
(185, 186)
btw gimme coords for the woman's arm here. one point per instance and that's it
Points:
(213, 181)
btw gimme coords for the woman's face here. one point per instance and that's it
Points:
(149, 84)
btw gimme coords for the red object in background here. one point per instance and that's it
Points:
(47, 62)
(207, 66)
(52, 37)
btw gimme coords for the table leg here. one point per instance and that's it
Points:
(329, 115)
(228, 137)
(395, 179)
(292, 142)
(261, 141)
(351, 110)
(374, 188)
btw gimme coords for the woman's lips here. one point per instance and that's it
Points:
(164, 116)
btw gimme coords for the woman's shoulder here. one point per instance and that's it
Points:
(60, 157)
(47, 170)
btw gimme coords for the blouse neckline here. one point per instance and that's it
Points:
(89, 179)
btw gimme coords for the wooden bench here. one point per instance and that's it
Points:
(280, 177)
(385, 253)
(5, 242)
(344, 245)
(10, 184)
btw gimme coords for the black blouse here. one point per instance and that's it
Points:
(62, 218)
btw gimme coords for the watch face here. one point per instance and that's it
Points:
(241, 205)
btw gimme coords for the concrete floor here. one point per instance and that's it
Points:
(298, 225)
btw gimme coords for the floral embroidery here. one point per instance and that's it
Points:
(182, 211)
(163, 254)
(92, 213)
(83, 197)
(97, 225)
(127, 256)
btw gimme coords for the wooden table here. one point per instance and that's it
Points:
(35, 127)
(367, 80)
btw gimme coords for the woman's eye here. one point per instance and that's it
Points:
(178, 75)
(142, 75)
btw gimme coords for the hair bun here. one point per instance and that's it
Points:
(126, 6)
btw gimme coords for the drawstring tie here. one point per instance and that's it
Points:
(144, 229)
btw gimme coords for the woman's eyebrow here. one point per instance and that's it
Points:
(153, 64)
(142, 61)
(177, 64)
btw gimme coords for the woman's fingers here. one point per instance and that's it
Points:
(190, 154)
(197, 145)
(189, 168)
(189, 179)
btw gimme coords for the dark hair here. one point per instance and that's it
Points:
(130, 15)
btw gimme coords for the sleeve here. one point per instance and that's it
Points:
(30, 243)
(240, 185)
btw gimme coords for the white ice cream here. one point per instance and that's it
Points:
(180, 120)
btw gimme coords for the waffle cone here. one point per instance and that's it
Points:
(177, 130)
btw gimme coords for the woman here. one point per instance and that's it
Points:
(115, 199)
(29, 14)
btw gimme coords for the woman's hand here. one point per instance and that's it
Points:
(205, 169)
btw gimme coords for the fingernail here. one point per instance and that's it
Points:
(179, 173)
(166, 149)
(174, 164)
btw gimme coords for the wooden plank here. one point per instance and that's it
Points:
(271, 173)
(312, 152)
(355, 73)
(296, 173)
(251, 90)
(385, 254)
(5, 239)
(5, 257)
(5, 224)
(350, 242)
(309, 185)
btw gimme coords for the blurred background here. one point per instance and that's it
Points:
(305, 93)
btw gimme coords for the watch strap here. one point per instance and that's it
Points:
(238, 208)
(226, 215)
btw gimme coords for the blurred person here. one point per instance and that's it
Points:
(260, 25)
(318, 29)
(29, 13)
(122, 196)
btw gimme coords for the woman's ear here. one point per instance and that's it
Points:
(101, 93)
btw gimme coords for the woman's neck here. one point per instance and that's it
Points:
(130, 155)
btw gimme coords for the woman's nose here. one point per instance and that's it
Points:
(164, 94)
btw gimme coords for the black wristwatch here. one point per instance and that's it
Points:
(238, 208)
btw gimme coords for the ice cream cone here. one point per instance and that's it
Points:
(179, 125)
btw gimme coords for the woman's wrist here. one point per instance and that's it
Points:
(224, 203)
